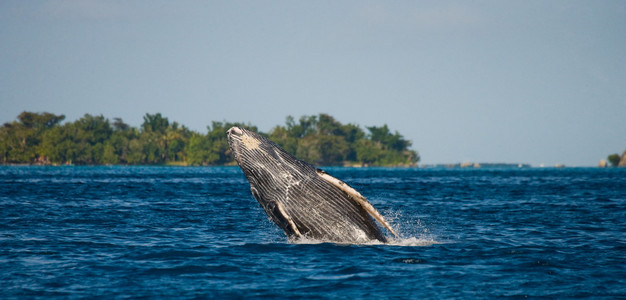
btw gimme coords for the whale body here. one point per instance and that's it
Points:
(305, 202)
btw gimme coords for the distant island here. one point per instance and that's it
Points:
(615, 160)
(478, 165)
(42, 139)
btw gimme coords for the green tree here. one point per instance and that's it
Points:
(51, 141)
(120, 141)
(20, 143)
(307, 125)
(368, 152)
(119, 125)
(614, 159)
(39, 120)
(135, 154)
(4, 145)
(88, 135)
(109, 156)
(309, 150)
(388, 140)
(333, 150)
(281, 136)
(155, 123)
(327, 125)
(21, 139)
(153, 147)
(199, 151)
(176, 137)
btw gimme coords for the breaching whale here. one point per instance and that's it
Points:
(305, 202)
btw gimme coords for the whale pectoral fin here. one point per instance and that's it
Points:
(356, 196)
(290, 223)
(278, 214)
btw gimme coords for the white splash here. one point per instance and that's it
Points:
(398, 242)
(411, 233)
(412, 242)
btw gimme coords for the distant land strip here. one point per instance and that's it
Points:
(43, 139)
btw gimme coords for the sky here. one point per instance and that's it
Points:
(538, 82)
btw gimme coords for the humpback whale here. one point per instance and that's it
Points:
(305, 202)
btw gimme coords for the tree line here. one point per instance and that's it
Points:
(43, 138)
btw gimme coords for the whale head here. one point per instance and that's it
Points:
(258, 157)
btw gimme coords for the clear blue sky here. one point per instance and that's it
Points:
(483, 81)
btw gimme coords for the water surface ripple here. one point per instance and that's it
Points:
(197, 232)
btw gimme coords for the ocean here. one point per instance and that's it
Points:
(197, 232)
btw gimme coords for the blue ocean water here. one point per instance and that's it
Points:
(197, 232)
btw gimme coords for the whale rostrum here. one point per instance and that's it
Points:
(305, 202)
